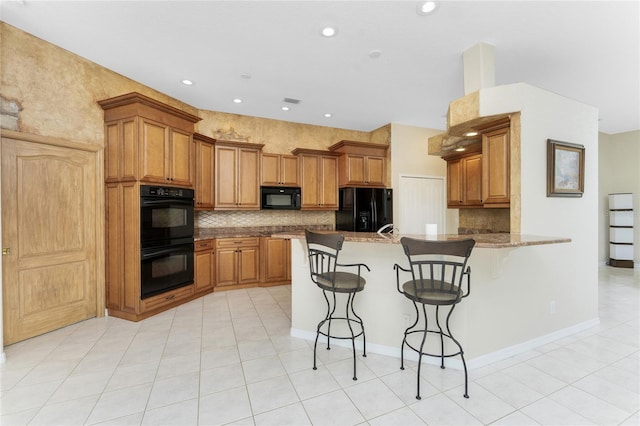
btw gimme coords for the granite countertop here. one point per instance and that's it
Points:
(253, 231)
(503, 240)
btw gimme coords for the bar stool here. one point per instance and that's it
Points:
(323, 250)
(437, 269)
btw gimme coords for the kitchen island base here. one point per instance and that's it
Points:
(518, 300)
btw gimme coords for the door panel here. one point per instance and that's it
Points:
(49, 223)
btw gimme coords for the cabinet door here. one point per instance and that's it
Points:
(226, 267)
(205, 166)
(249, 265)
(328, 181)
(204, 265)
(355, 170)
(454, 183)
(121, 150)
(153, 147)
(472, 186)
(275, 259)
(289, 170)
(309, 172)
(496, 174)
(270, 169)
(374, 171)
(180, 159)
(226, 180)
(249, 179)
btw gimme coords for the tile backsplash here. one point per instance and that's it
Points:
(227, 219)
(484, 221)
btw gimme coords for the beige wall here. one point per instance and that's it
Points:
(619, 165)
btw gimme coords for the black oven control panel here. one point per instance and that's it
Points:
(165, 191)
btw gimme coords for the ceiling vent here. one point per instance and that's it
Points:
(291, 101)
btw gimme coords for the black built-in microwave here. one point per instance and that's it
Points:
(280, 198)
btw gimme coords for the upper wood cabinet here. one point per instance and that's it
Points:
(237, 176)
(496, 168)
(147, 141)
(361, 163)
(204, 168)
(464, 181)
(279, 170)
(318, 179)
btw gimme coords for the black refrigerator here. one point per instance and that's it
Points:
(364, 209)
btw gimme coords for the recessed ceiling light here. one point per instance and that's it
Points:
(187, 82)
(426, 7)
(285, 108)
(375, 53)
(329, 31)
(469, 134)
(460, 149)
(237, 100)
(328, 115)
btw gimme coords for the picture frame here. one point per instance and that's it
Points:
(565, 169)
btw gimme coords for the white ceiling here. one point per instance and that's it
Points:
(585, 50)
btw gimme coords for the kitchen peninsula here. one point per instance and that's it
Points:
(517, 301)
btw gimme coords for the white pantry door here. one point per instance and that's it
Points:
(421, 201)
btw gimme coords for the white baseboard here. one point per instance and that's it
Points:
(456, 363)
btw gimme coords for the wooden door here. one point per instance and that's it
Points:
(204, 274)
(496, 174)
(275, 259)
(249, 265)
(226, 180)
(226, 266)
(270, 170)
(52, 226)
(153, 147)
(309, 172)
(472, 195)
(454, 183)
(329, 183)
(248, 178)
(180, 158)
(205, 166)
(289, 170)
(374, 171)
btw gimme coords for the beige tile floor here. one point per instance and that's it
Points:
(227, 358)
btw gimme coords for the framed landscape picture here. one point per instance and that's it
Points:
(565, 169)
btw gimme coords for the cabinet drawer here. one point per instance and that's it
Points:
(237, 242)
(621, 235)
(166, 298)
(621, 218)
(203, 245)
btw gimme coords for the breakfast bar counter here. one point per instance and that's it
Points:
(519, 298)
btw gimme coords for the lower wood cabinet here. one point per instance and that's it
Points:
(237, 262)
(275, 260)
(205, 266)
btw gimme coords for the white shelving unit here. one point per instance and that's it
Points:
(621, 230)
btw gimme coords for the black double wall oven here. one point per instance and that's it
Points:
(166, 238)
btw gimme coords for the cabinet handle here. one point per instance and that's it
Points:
(170, 297)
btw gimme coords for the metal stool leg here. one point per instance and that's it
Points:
(421, 352)
(353, 337)
(464, 363)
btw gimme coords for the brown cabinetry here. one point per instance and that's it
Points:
(279, 170)
(237, 262)
(204, 266)
(496, 188)
(146, 141)
(237, 176)
(361, 163)
(464, 181)
(275, 261)
(204, 168)
(318, 179)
